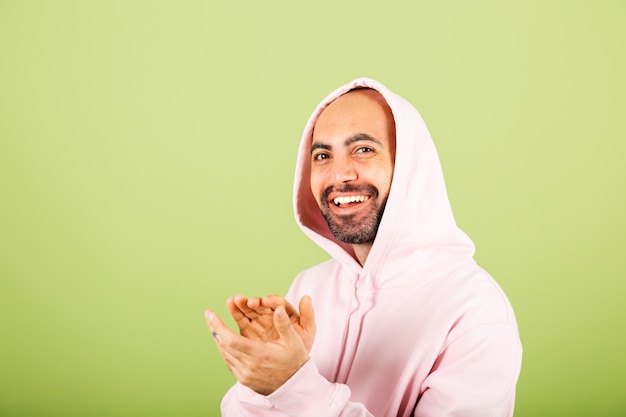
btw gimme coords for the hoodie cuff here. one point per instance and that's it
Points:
(242, 397)
(307, 393)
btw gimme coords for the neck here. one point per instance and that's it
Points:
(361, 251)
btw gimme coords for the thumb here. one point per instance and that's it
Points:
(307, 315)
(283, 324)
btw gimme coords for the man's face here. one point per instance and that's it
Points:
(352, 161)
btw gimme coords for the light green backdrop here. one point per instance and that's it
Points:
(146, 159)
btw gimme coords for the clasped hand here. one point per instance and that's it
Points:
(274, 340)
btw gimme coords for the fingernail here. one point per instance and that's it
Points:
(208, 315)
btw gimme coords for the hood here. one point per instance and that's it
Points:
(417, 216)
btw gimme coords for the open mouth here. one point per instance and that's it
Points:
(345, 200)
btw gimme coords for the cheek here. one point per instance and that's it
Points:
(316, 187)
(386, 178)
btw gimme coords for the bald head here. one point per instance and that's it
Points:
(363, 108)
(352, 162)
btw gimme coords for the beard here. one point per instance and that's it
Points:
(354, 229)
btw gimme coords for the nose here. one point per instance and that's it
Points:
(344, 170)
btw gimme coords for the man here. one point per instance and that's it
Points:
(405, 322)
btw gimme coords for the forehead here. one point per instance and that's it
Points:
(358, 111)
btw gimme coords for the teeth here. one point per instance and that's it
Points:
(350, 199)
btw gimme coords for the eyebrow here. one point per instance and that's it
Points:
(352, 139)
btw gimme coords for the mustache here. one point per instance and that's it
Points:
(368, 189)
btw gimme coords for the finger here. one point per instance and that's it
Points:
(242, 304)
(252, 308)
(256, 304)
(283, 326)
(233, 347)
(240, 318)
(238, 299)
(273, 301)
(220, 332)
(233, 308)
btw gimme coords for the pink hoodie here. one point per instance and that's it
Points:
(419, 330)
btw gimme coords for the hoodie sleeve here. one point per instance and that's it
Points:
(475, 375)
(305, 394)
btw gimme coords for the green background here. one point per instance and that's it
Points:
(147, 151)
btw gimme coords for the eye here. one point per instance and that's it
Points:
(364, 149)
(320, 156)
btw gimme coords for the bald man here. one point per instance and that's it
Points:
(400, 321)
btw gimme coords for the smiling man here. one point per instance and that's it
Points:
(352, 157)
(405, 322)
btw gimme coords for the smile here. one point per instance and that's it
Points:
(350, 199)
